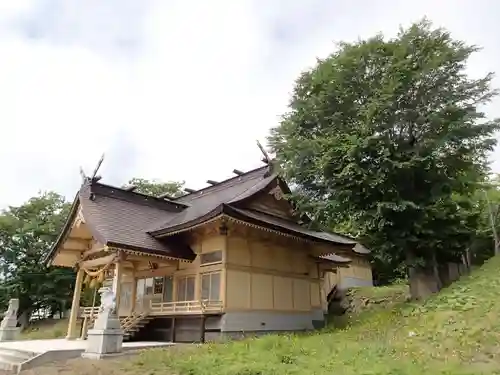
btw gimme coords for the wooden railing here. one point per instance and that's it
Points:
(133, 322)
(185, 307)
(89, 312)
(163, 308)
(130, 324)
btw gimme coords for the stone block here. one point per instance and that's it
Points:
(8, 327)
(9, 334)
(103, 343)
(106, 338)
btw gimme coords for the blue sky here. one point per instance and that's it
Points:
(173, 89)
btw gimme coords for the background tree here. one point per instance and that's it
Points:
(486, 205)
(26, 234)
(157, 188)
(387, 135)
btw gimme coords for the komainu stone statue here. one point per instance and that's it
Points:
(8, 328)
(12, 309)
(106, 338)
(107, 300)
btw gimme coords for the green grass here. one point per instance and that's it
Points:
(46, 329)
(372, 299)
(454, 332)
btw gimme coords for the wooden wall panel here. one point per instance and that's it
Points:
(283, 293)
(262, 292)
(345, 272)
(300, 261)
(313, 269)
(256, 291)
(213, 243)
(359, 268)
(66, 258)
(316, 299)
(301, 294)
(238, 251)
(237, 290)
(282, 278)
(261, 255)
(283, 259)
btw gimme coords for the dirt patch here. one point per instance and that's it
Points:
(132, 362)
(81, 366)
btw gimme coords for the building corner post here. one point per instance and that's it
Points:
(75, 305)
(118, 289)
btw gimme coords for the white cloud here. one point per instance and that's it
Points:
(174, 90)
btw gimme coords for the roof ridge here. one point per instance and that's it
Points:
(219, 205)
(113, 192)
(138, 194)
(214, 187)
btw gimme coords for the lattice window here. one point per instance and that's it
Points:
(158, 285)
(211, 258)
(185, 288)
(210, 286)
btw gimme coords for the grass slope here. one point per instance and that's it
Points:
(455, 332)
(45, 329)
(370, 298)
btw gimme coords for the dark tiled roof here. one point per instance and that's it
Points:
(335, 258)
(124, 222)
(290, 226)
(208, 200)
(360, 249)
(135, 197)
(127, 219)
(227, 186)
(121, 220)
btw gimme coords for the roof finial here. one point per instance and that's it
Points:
(272, 169)
(83, 175)
(264, 152)
(94, 175)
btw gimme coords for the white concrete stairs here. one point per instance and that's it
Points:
(12, 359)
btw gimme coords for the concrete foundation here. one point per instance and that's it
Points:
(257, 321)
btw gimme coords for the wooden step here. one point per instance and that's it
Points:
(134, 323)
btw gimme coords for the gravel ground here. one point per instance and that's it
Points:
(80, 366)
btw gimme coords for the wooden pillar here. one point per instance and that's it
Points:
(75, 306)
(133, 295)
(118, 291)
(202, 333)
(85, 328)
(172, 330)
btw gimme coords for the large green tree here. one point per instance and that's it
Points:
(387, 135)
(26, 234)
(156, 188)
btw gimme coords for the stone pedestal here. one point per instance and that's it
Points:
(106, 338)
(8, 328)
